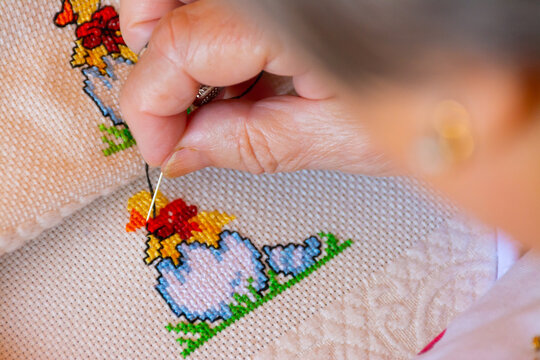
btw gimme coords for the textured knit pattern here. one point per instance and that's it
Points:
(83, 290)
(395, 312)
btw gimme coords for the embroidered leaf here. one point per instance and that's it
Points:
(121, 139)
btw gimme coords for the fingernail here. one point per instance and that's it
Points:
(182, 162)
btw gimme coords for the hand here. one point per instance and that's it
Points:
(207, 43)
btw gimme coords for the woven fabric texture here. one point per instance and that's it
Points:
(395, 312)
(501, 325)
(52, 153)
(82, 290)
(62, 69)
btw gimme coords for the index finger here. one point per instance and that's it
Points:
(138, 18)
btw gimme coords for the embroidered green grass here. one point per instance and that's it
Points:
(117, 139)
(199, 334)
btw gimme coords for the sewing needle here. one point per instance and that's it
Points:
(154, 197)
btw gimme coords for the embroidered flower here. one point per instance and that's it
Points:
(102, 29)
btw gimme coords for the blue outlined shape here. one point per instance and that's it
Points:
(281, 259)
(220, 310)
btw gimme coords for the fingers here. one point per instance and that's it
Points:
(273, 135)
(202, 43)
(138, 18)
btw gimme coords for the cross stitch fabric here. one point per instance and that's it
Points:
(84, 289)
(59, 108)
(282, 248)
(62, 68)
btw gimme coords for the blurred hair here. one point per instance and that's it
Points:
(359, 38)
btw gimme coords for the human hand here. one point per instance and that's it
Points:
(207, 43)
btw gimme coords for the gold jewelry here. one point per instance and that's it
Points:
(448, 142)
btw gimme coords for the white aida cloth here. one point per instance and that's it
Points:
(82, 290)
(52, 150)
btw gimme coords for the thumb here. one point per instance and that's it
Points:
(278, 134)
